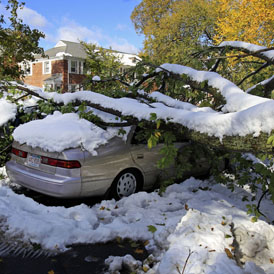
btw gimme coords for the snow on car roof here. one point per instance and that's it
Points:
(58, 132)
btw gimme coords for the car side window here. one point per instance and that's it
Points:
(138, 136)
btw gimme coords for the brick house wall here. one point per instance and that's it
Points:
(57, 67)
(37, 77)
(76, 78)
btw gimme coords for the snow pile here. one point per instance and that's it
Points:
(118, 263)
(187, 218)
(7, 111)
(59, 131)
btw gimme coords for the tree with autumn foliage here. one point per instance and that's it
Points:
(250, 21)
(174, 29)
(247, 20)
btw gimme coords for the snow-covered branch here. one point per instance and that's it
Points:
(267, 86)
(261, 52)
(251, 120)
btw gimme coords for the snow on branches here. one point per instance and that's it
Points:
(242, 121)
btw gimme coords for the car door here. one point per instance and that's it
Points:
(145, 158)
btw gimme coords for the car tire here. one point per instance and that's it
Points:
(125, 184)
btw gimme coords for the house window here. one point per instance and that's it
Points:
(72, 88)
(81, 67)
(46, 67)
(73, 66)
(27, 68)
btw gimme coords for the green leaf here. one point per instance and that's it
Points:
(153, 116)
(152, 141)
(254, 219)
(134, 244)
(270, 140)
(158, 123)
(152, 228)
(149, 143)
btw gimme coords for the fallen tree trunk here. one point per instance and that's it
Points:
(247, 143)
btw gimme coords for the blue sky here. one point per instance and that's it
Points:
(105, 22)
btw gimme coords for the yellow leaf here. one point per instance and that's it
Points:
(228, 253)
(118, 239)
(157, 134)
(145, 268)
(139, 251)
(51, 272)
(146, 242)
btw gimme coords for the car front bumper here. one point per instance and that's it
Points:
(50, 184)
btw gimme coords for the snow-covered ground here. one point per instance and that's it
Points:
(186, 219)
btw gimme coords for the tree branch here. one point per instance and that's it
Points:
(265, 88)
(265, 65)
(259, 204)
(214, 68)
(247, 52)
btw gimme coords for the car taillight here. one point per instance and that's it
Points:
(60, 163)
(19, 153)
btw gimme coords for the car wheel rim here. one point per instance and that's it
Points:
(126, 185)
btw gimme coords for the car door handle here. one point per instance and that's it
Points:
(140, 156)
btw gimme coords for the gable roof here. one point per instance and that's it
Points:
(66, 48)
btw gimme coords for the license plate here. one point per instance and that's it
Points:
(33, 160)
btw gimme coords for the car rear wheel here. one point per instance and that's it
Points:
(125, 184)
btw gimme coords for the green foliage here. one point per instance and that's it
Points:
(5, 143)
(270, 140)
(46, 107)
(252, 209)
(18, 42)
(256, 172)
(152, 228)
(169, 151)
(103, 63)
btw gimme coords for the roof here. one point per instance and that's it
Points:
(74, 49)
(67, 48)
